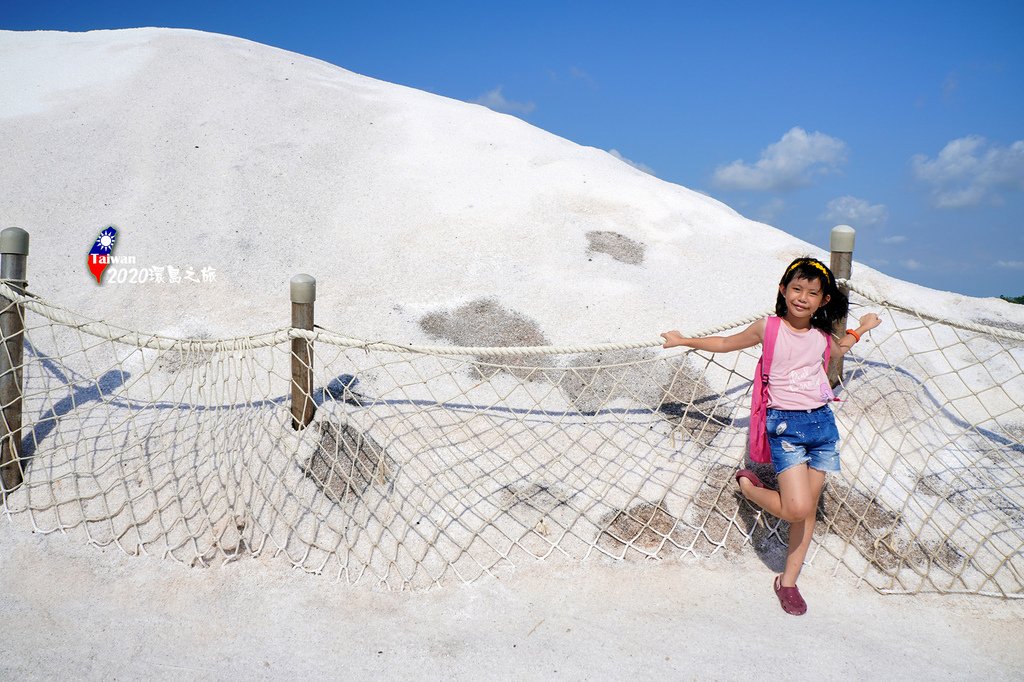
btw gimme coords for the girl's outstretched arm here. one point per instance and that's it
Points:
(845, 342)
(751, 336)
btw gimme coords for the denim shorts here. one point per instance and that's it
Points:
(803, 437)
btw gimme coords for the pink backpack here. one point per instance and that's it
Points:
(759, 450)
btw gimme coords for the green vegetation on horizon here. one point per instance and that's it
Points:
(1015, 299)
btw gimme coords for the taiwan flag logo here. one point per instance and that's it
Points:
(99, 254)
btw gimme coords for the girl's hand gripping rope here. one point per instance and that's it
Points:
(672, 339)
(869, 322)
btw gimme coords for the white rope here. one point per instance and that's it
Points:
(275, 337)
(956, 324)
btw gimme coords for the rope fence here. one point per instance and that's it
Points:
(420, 466)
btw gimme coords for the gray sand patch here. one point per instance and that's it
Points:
(347, 461)
(529, 503)
(981, 486)
(541, 516)
(712, 517)
(646, 527)
(878, 533)
(186, 356)
(675, 388)
(619, 247)
(1015, 433)
(888, 395)
(1008, 325)
(485, 322)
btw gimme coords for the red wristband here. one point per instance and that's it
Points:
(853, 334)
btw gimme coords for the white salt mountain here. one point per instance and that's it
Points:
(213, 152)
(254, 164)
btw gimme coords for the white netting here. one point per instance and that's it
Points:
(429, 465)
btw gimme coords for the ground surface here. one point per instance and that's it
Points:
(74, 611)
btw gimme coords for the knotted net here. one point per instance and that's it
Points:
(432, 465)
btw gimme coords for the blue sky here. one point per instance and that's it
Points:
(903, 119)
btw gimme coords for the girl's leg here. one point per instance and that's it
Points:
(797, 502)
(795, 499)
(801, 532)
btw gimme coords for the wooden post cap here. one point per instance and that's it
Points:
(303, 288)
(842, 239)
(14, 240)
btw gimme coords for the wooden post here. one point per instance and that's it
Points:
(303, 294)
(13, 267)
(841, 245)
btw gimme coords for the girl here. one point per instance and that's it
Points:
(802, 433)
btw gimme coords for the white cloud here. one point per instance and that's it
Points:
(1010, 264)
(635, 164)
(494, 99)
(969, 171)
(581, 75)
(786, 164)
(895, 239)
(856, 212)
(911, 264)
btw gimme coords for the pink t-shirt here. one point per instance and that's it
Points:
(798, 380)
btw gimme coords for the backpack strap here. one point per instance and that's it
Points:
(771, 332)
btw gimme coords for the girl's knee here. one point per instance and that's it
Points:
(798, 510)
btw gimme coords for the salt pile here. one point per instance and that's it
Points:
(424, 220)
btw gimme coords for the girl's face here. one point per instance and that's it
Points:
(803, 298)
